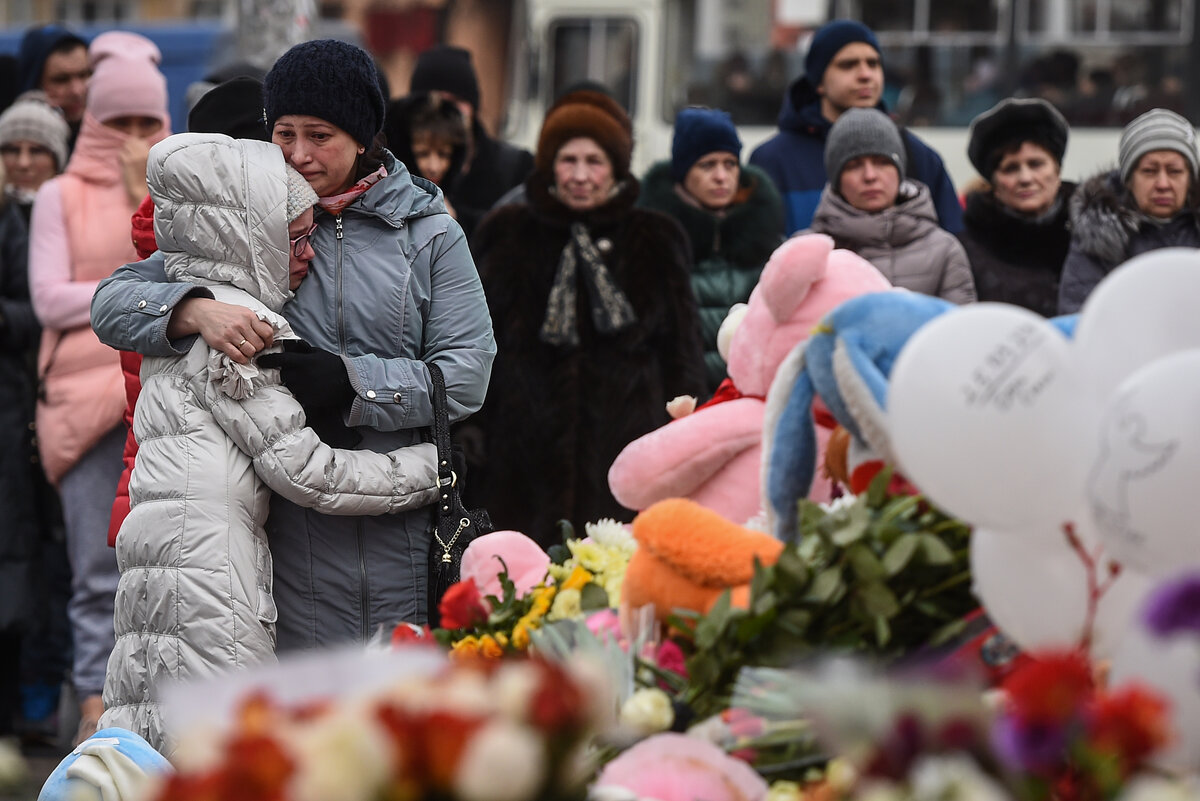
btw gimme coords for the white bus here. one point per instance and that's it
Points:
(1100, 61)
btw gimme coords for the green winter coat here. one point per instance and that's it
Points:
(728, 249)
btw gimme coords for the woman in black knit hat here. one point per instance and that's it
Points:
(392, 287)
(1015, 231)
(596, 321)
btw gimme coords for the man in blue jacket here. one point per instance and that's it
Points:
(843, 69)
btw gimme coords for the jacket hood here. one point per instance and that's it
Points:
(911, 218)
(749, 231)
(1104, 218)
(401, 196)
(801, 110)
(221, 213)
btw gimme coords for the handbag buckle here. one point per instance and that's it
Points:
(453, 480)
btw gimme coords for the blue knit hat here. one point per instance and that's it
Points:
(698, 132)
(335, 81)
(111, 764)
(36, 45)
(828, 40)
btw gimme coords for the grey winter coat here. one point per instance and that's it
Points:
(1107, 229)
(392, 286)
(194, 597)
(904, 242)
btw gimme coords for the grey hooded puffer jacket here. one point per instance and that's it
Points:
(904, 242)
(195, 595)
(1108, 229)
(392, 286)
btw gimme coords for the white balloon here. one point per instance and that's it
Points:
(1142, 310)
(1170, 667)
(986, 416)
(1034, 586)
(1141, 488)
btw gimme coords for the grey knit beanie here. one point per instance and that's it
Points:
(862, 132)
(300, 196)
(1157, 129)
(32, 117)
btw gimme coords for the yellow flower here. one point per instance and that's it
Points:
(785, 791)
(567, 605)
(520, 637)
(542, 598)
(489, 648)
(466, 647)
(579, 577)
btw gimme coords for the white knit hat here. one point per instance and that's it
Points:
(300, 196)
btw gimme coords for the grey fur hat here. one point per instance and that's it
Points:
(862, 132)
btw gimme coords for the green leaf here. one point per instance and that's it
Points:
(762, 579)
(864, 563)
(827, 586)
(809, 515)
(764, 603)
(852, 525)
(751, 627)
(900, 553)
(593, 596)
(877, 491)
(948, 632)
(794, 621)
(877, 599)
(883, 632)
(791, 573)
(559, 554)
(566, 530)
(713, 624)
(935, 551)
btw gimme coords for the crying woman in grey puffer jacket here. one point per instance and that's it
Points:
(216, 437)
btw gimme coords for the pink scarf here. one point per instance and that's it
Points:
(97, 155)
(335, 204)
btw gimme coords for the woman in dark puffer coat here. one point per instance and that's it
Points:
(1016, 232)
(595, 322)
(732, 214)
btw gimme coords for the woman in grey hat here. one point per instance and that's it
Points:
(869, 207)
(1148, 202)
(1016, 233)
(33, 146)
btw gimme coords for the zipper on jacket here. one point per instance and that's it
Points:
(364, 608)
(341, 323)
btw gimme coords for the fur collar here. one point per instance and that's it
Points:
(749, 231)
(1104, 218)
(1002, 232)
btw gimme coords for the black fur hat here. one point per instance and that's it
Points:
(329, 79)
(1011, 122)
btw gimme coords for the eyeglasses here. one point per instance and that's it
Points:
(301, 242)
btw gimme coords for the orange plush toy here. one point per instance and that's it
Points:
(688, 555)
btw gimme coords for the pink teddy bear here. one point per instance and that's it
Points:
(712, 455)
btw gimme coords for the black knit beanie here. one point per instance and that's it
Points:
(332, 80)
(446, 69)
(234, 108)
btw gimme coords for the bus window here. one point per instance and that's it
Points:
(603, 50)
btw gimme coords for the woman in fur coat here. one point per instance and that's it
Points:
(595, 321)
(1015, 231)
(731, 212)
(1148, 202)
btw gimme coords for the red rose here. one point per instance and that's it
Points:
(1051, 690)
(1130, 724)
(462, 606)
(409, 634)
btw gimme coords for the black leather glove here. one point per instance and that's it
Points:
(316, 377)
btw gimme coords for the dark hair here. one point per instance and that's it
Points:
(409, 117)
(65, 45)
(439, 119)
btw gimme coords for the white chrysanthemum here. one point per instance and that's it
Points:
(502, 762)
(839, 503)
(953, 778)
(567, 605)
(648, 711)
(611, 534)
(341, 757)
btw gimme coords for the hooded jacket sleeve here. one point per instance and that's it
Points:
(958, 284)
(132, 307)
(295, 464)
(394, 394)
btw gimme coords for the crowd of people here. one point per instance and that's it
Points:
(240, 318)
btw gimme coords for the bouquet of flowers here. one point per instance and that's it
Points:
(585, 576)
(479, 730)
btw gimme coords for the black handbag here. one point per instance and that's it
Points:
(454, 526)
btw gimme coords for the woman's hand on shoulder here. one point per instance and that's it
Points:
(234, 330)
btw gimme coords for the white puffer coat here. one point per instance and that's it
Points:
(216, 438)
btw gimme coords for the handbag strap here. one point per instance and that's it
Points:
(441, 435)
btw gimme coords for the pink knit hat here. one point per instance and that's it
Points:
(125, 79)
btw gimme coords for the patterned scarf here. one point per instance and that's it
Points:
(611, 310)
(334, 204)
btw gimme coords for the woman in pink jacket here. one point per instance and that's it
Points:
(79, 234)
